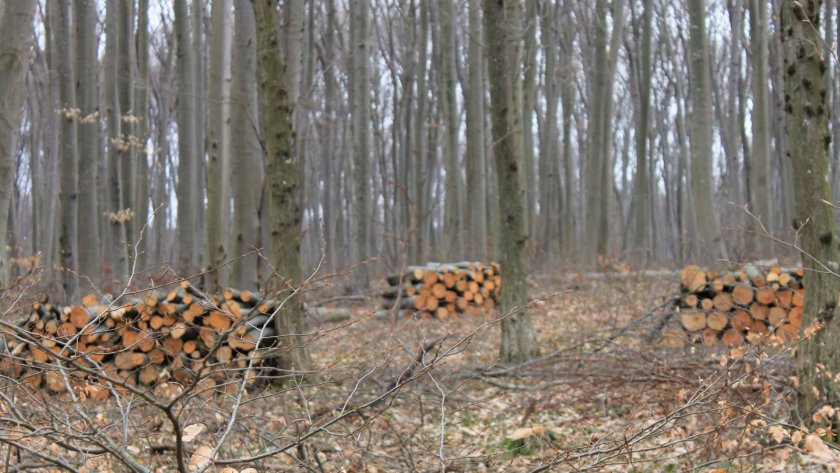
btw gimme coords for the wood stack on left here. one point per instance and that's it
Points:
(145, 340)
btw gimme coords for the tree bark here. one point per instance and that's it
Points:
(284, 170)
(69, 148)
(87, 67)
(641, 186)
(475, 157)
(218, 166)
(806, 124)
(702, 181)
(761, 202)
(248, 178)
(503, 23)
(360, 96)
(187, 152)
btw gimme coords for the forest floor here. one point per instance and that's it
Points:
(600, 398)
(595, 401)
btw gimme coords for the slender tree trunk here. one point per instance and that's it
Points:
(116, 250)
(761, 201)
(503, 23)
(806, 124)
(247, 168)
(475, 157)
(360, 96)
(453, 204)
(218, 166)
(87, 66)
(69, 148)
(284, 170)
(529, 101)
(187, 152)
(199, 177)
(126, 63)
(702, 180)
(641, 186)
(143, 130)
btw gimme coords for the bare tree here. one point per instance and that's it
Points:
(502, 23)
(806, 123)
(248, 176)
(218, 166)
(284, 172)
(360, 110)
(702, 181)
(15, 43)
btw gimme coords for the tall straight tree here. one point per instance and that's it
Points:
(248, 178)
(700, 128)
(806, 123)
(284, 173)
(15, 44)
(761, 202)
(503, 27)
(476, 156)
(140, 163)
(641, 190)
(69, 148)
(453, 204)
(126, 64)
(218, 166)
(87, 66)
(116, 251)
(187, 153)
(360, 110)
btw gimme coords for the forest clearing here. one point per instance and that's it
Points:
(247, 236)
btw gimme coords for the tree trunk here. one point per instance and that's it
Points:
(475, 157)
(702, 181)
(187, 152)
(248, 175)
(218, 166)
(360, 96)
(87, 67)
(641, 186)
(143, 129)
(806, 123)
(503, 23)
(126, 62)
(69, 149)
(284, 170)
(453, 204)
(760, 199)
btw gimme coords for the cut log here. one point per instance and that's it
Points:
(759, 311)
(722, 302)
(717, 321)
(710, 337)
(693, 321)
(128, 360)
(741, 320)
(732, 337)
(692, 278)
(765, 295)
(776, 316)
(742, 295)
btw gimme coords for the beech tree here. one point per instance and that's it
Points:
(502, 23)
(806, 123)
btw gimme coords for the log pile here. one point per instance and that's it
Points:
(445, 289)
(723, 308)
(180, 335)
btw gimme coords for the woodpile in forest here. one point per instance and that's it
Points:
(724, 308)
(444, 289)
(182, 335)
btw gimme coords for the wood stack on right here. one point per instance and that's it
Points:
(724, 307)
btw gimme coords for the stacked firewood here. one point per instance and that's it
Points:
(443, 289)
(725, 307)
(182, 335)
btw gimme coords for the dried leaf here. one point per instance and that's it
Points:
(777, 433)
(192, 431)
(202, 457)
(526, 432)
(816, 447)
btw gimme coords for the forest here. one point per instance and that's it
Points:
(246, 236)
